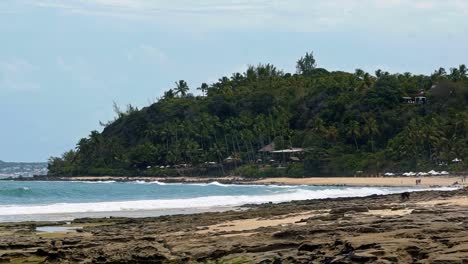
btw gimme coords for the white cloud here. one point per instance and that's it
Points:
(146, 53)
(292, 15)
(15, 76)
(79, 70)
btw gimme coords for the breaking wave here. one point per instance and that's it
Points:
(198, 202)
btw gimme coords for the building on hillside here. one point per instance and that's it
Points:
(284, 155)
(418, 98)
(267, 148)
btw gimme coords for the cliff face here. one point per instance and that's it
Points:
(344, 122)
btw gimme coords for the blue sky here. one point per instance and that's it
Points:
(64, 63)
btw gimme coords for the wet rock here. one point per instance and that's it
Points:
(287, 234)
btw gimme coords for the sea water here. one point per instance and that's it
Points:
(42, 200)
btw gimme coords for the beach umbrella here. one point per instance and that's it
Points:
(406, 174)
(444, 172)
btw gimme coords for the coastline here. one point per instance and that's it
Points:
(426, 182)
(430, 227)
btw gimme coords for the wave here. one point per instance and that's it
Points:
(94, 181)
(199, 202)
(150, 182)
(15, 191)
(215, 183)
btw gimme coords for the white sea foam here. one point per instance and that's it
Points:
(200, 202)
(218, 184)
(150, 182)
(94, 181)
(214, 183)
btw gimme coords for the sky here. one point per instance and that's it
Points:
(64, 63)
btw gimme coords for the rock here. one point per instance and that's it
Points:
(367, 229)
(416, 252)
(58, 244)
(391, 258)
(328, 217)
(287, 234)
(309, 247)
(362, 257)
(447, 260)
(368, 246)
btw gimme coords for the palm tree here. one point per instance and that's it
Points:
(332, 133)
(151, 132)
(203, 88)
(441, 72)
(305, 65)
(378, 73)
(359, 73)
(169, 94)
(318, 125)
(181, 88)
(455, 74)
(463, 70)
(372, 129)
(354, 132)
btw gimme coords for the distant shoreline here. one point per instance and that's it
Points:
(428, 181)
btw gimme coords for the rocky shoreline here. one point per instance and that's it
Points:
(223, 180)
(430, 227)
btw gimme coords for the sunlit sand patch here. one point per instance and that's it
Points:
(459, 201)
(245, 234)
(254, 223)
(388, 212)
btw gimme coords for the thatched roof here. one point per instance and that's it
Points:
(268, 148)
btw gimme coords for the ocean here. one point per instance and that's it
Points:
(47, 201)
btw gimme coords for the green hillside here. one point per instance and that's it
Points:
(340, 123)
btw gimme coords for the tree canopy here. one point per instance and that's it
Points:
(345, 122)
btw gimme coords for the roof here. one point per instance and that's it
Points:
(268, 148)
(290, 150)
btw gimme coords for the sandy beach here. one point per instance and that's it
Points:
(333, 181)
(368, 181)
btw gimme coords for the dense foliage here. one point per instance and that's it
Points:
(346, 122)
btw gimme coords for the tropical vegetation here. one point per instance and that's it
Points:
(346, 123)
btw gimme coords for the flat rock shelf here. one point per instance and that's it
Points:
(430, 227)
